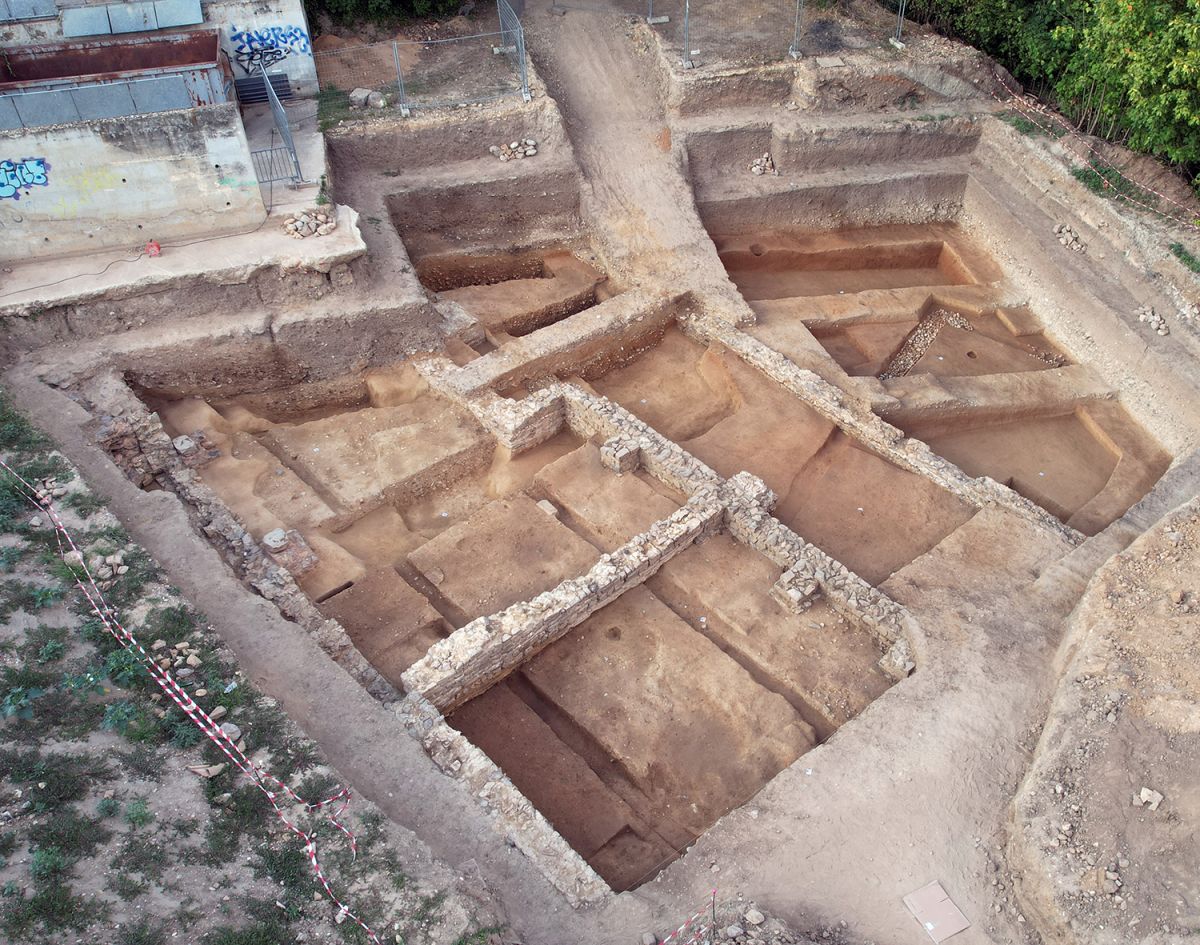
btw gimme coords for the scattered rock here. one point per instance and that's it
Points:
(231, 731)
(754, 917)
(734, 931)
(207, 771)
(376, 100)
(649, 938)
(359, 97)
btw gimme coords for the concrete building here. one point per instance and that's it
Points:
(127, 122)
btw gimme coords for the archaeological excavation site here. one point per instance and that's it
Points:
(713, 466)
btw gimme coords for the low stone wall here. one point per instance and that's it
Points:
(521, 822)
(477, 656)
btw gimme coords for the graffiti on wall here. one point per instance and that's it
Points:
(267, 45)
(21, 176)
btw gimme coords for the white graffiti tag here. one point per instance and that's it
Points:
(17, 176)
(267, 45)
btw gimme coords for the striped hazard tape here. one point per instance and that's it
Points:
(271, 786)
(1182, 215)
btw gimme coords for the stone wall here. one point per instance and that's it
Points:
(477, 656)
(119, 182)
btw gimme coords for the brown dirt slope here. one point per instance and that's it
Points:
(1101, 865)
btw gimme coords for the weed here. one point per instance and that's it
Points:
(142, 853)
(52, 906)
(17, 433)
(171, 624)
(18, 702)
(84, 684)
(1107, 181)
(288, 866)
(68, 832)
(479, 936)
(121, 716)
(10, 557)
(85, 503)
(138, 813)
(269, 932)
(125, 668)
(51, 651)
(43, 597)
(143, 933)
(8, 843)
(181, 731)
(1185, 257)
(48, 863)
(57, 779)
(333, 105)
(428, 908)
(108, 807)
(126, 887)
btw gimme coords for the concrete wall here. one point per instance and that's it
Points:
(119, 182)
(274, 32)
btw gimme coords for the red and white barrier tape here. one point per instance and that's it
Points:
(1028, 107)
(689, 924)
(266, 782)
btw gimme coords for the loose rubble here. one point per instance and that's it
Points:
(522, 148)
(366, 98)
(763, 165)
(1069, 238)
(1146, 313)
(310, 223)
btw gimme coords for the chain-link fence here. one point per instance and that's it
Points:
(429, 73)
(714, 31)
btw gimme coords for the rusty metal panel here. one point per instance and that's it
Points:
(85, 21)
(132, 17)
(178, 13)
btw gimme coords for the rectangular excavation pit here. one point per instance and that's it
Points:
(1086, 466)
(514, 294)
(778, 264)
(660, 712)
(864, 511)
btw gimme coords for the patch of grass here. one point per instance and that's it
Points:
(17, 433)
(53, 907)
(428, 908)
(56, 779)
(86, 504)
(10, 557)
(138, 813)
(333, 106)
(74, 835)
(8, 843)
(143, 933)
(126, 669)
(142, 853)
(1108, 182)
(479, 936)
(108, 807)
(126, 887)
(172, 624)
(48, 863)
(1184, 256)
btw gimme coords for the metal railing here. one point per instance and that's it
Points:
(63, 106)
(431, 73)
(279, 166)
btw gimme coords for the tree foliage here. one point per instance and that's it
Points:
(1125, 69)
(385, 11)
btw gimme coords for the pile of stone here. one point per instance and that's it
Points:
(183, 659)
(763, 165)
(104, 568)
(1146, 313)
(365, 98)
(310, 223)
(514, 150)
(49, 488)
(1069, 238)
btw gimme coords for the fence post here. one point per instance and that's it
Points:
(403, 100)
(899, 25)
(686, 62)
(794, 49)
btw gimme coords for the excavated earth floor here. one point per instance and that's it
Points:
(665, 524)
